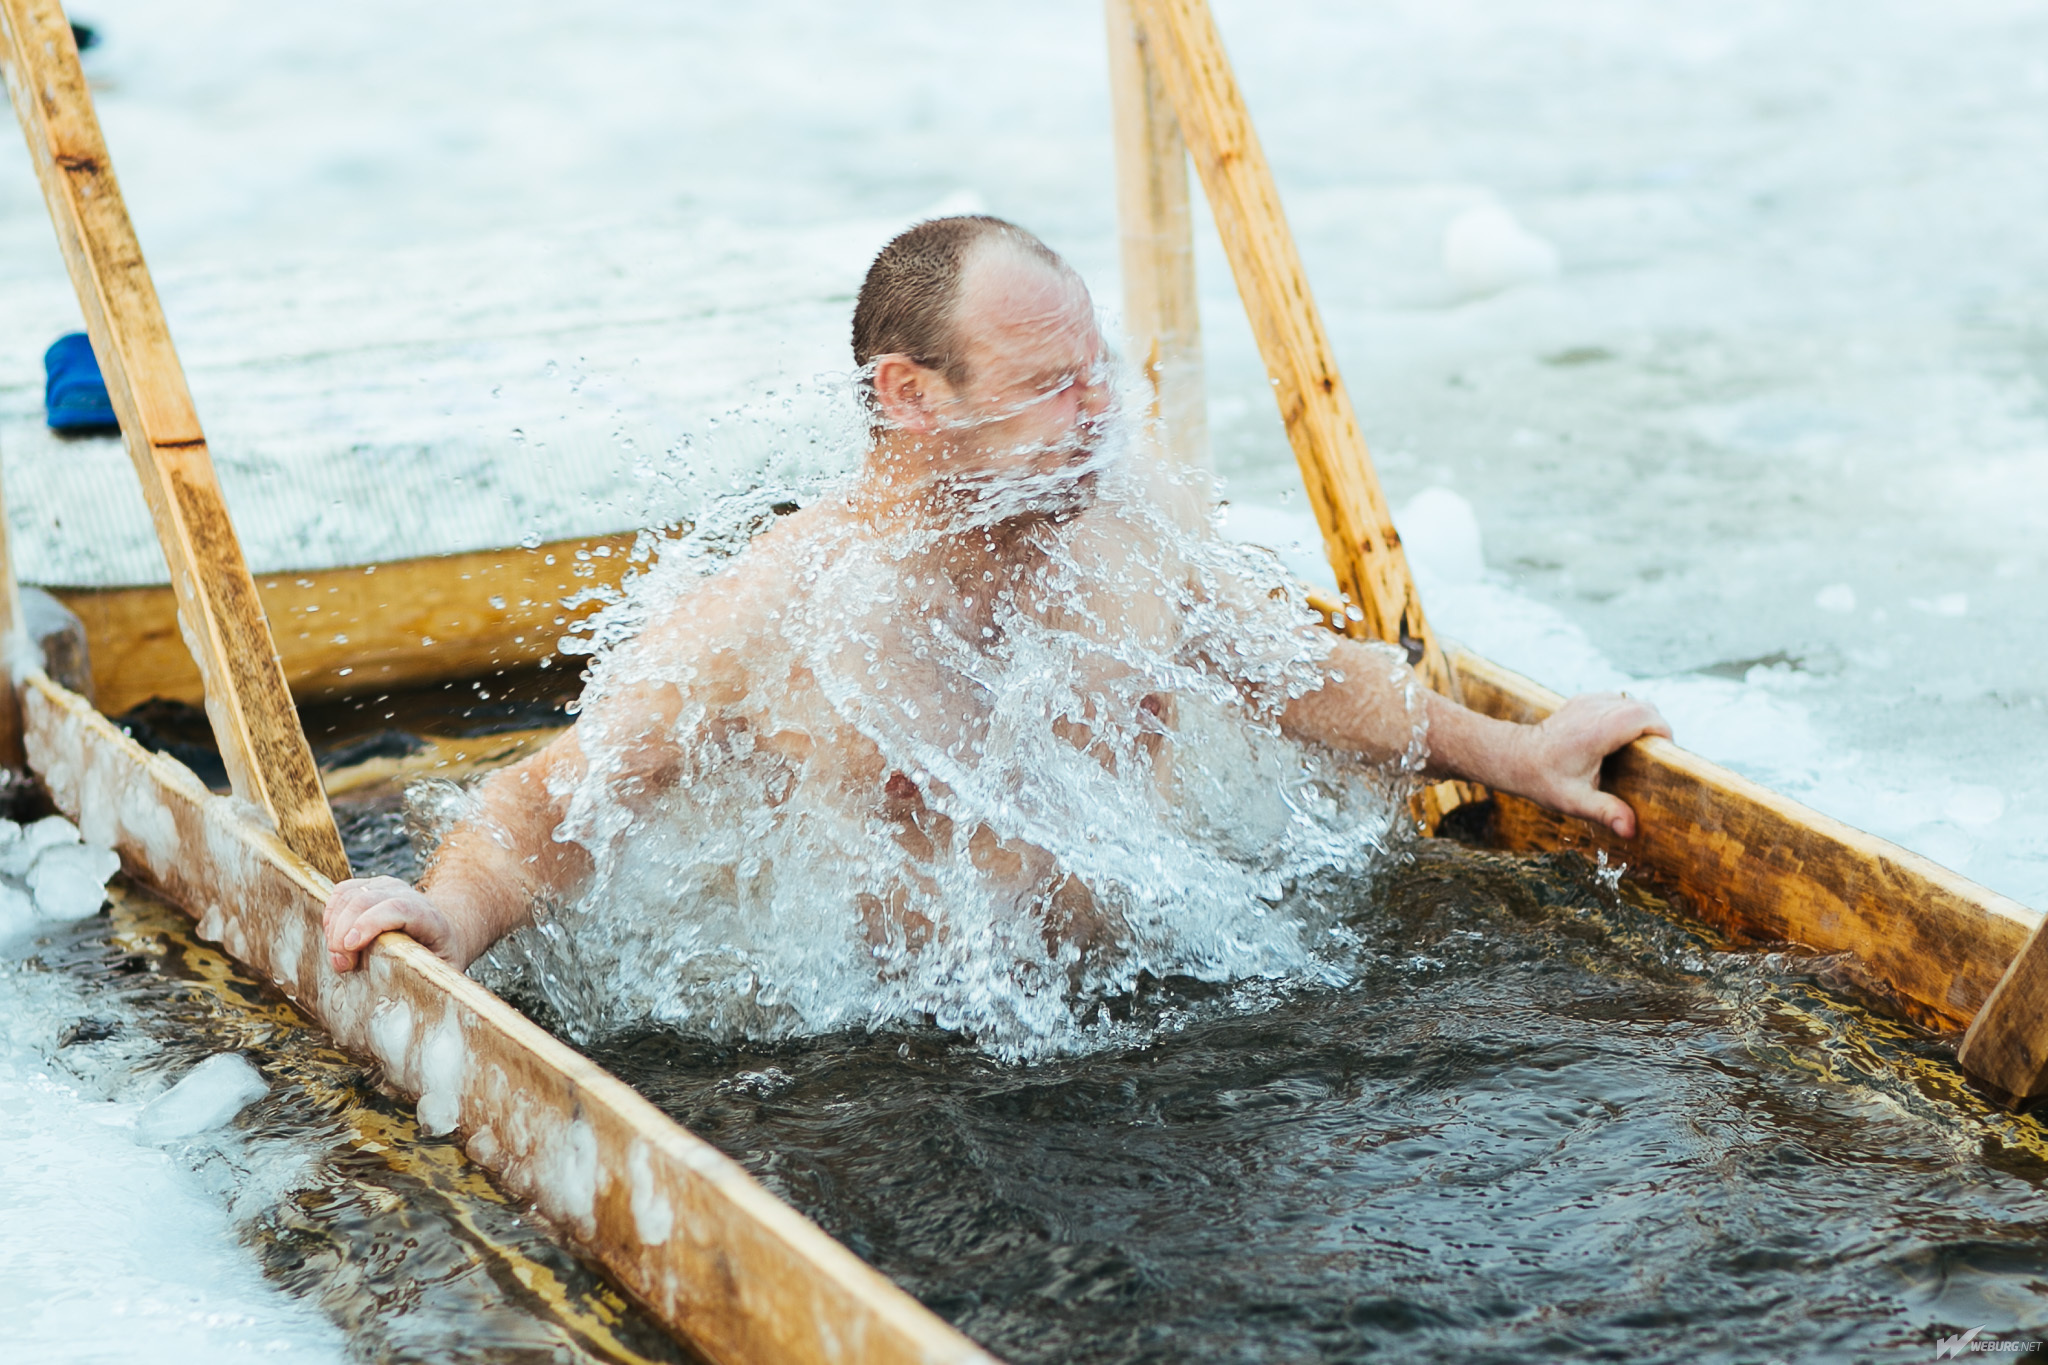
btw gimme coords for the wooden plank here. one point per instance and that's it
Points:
(366, 629)
(246, 698)
(1162, 318)
(1763, 868)
(736, 1272)
(1358, 531)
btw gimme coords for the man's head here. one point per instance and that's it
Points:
(980, 358)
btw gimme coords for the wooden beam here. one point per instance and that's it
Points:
(366, 629)
(1763, 868)
(1162, 317)
(1358, 531)
(246, 698)
(736, 1272)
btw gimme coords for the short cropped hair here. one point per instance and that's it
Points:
(907, 302)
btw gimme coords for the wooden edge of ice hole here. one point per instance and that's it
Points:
(735, 1271)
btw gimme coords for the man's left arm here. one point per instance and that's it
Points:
(1364, 707)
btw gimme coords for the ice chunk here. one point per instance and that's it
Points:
(1486, 251)
(70, 880)
(1836, 597)
(16, 855)
(1441, 536)
(211, 1093)
(17, 911)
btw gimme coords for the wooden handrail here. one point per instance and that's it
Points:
(247, 699)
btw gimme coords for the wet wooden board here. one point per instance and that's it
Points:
(2007, 1045)
(1764, 868)
(364, 630)
(250, 706)
(739, 1274)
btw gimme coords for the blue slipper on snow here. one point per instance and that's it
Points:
(74, 395)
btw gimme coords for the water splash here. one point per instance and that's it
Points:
(986, 769)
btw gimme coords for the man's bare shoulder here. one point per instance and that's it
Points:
(735, 602)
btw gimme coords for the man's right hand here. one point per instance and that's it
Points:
(364, 907)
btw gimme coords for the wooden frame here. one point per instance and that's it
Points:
(737, 1272)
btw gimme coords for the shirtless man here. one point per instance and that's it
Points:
(987, 384)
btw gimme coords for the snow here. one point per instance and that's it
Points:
(1765, 440)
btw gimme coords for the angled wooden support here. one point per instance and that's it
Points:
(2007, 1044)
(246, 696)
(1179, 39)
(1162, 319)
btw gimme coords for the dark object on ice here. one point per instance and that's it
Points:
(74, 395)
(180, 730)
(60, 635)
(381, 744)
(85, 35)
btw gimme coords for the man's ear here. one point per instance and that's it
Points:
(908, 395)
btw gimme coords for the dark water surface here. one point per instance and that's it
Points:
(1544, 1124)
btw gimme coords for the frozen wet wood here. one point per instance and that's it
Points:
(739, 1274)
(220, 614)
(1763, 868)
(1162, 320)
(366, 629)
(1180, 38)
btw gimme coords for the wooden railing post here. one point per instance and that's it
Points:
(1180, 39)
(247, 699)
(1162, 320)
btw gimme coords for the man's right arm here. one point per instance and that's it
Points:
(490, 871)
(500, 862)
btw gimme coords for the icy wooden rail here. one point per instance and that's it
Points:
(740, 1274)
